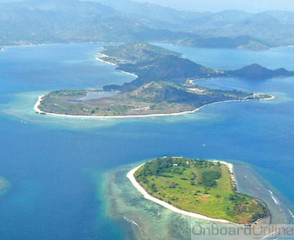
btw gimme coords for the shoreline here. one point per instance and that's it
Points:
(107, 42)
(40, 98)
(132, 74)
(103, 61)
(113, 64)
(147, 196)
(230, 166)
(49, 44)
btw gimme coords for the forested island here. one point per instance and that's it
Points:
(199, 186)
(163, 85)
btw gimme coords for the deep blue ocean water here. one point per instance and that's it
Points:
(56, 170)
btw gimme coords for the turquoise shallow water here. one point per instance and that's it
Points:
(59, 168)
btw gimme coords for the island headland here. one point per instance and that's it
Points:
(198, 188)
(163, 86)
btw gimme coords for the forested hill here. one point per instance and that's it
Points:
(255, 71)
(153, 63)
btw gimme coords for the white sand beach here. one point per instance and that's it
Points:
(231, 170)
(113, 64)
(36, 106)
(101, 60)
(132, 74)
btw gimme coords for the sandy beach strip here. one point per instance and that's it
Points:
(131, 177)
(113, 64)
(37, 110)
(132, 74)
(37, 105)
(103, 61)
(230, 166)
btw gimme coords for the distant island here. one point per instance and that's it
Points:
(198, 188)
(163, 85)
(4, 185)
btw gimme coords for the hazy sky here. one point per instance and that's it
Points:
(219, 5)
(213, 5)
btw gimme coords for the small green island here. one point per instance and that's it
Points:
(164, 85)
(4, 185)
(199, 186)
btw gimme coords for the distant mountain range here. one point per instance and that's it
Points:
(237, 28)
(36, 21)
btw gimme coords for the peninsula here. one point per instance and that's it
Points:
(198, 188)
(163, 85)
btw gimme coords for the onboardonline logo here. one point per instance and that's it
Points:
(256, 231)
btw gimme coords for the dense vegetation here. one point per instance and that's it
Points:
(199, 186)
(137, 51)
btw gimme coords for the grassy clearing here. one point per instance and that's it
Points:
(199, 186)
